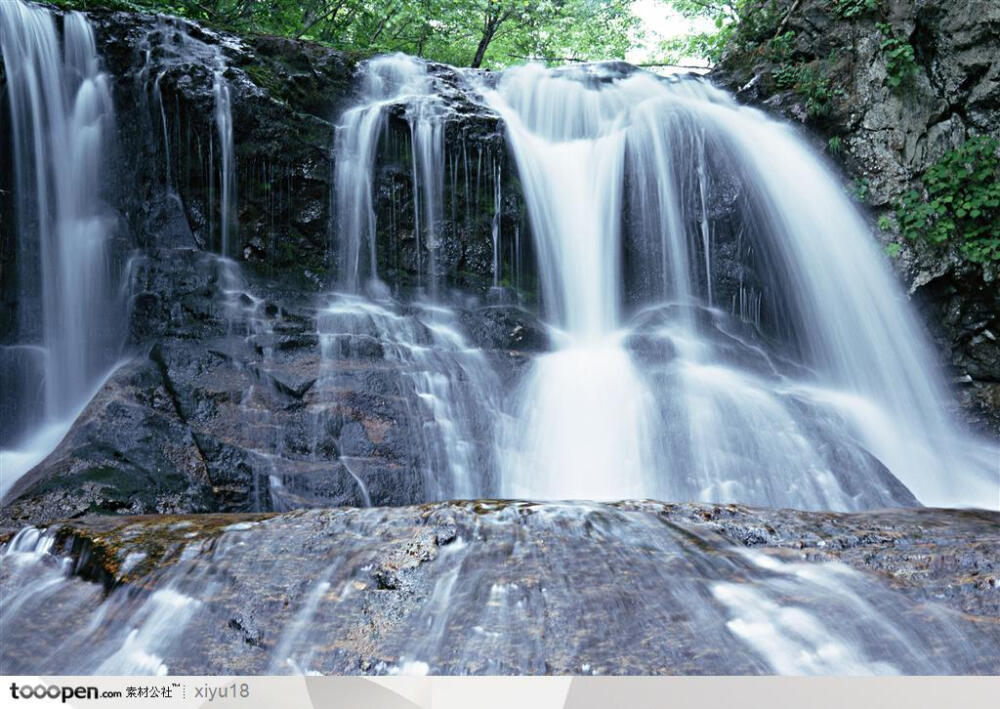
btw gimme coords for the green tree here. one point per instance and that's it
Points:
(732, 21)
(461, 32)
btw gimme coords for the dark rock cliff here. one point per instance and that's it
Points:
(833, 74)
(221, 398)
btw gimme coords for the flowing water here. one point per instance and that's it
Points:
(392, 83)
(615, 162)
(227, 159)
(723, 329)
(170, 44)
(532, 589)
(451, 390)
(67, 337)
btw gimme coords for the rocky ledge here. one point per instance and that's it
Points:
(829, 66)
(509, 587)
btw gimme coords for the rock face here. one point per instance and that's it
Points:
(509, 588)
(241, 405)
(230, 391)
(886, 136)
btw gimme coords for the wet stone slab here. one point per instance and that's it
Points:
(491, 587)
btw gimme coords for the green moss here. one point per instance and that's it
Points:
(266, 78)
(104, 542)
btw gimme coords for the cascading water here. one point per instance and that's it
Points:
(498, 589)
(69, 312)
(583, 422)
(452, 391)
(653, 205)
(392, 82)
(682, 401)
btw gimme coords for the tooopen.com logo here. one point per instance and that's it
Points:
(54, 691)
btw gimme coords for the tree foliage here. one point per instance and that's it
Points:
(460, 32)
(731, 20)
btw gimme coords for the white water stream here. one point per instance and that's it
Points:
(68, 333)
(604, 156)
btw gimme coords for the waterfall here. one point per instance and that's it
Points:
(725, 327)
(69, 308)
(451, 390)
(671, 397)
(392, 83)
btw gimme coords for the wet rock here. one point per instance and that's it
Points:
(128, 452)
(506, 327)
(929, 553)
(885, 137)
(247, 627)
(497, 587)
(237, 407)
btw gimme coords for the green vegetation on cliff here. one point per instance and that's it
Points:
(900, 58)
(962, 201)
(899, 91)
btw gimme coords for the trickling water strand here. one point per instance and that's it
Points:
(227, 183)
(427, 145)
(495, 224)
(517, 255)
(175, 44)
(61, 116)
(158, 95)
(388, 82)
(705, 230)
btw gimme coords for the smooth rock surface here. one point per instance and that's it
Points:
(492, 587)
